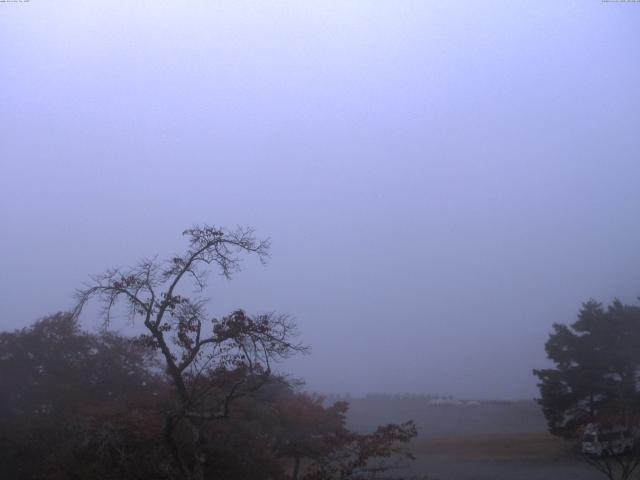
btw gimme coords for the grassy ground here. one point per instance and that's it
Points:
(481, 442)
(496, 446)
(500, 456)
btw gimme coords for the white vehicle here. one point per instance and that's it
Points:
(604, 441)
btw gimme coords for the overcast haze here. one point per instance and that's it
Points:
(441, 180)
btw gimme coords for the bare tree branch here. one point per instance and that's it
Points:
(210, 362)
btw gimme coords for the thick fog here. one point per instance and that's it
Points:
(441, 180)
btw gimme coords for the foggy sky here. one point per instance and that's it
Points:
(441, 180)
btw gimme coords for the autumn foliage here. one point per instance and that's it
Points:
(77, 405)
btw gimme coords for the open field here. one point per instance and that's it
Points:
(444, 421)
(490, 441)
(528, 456)
(496, 446)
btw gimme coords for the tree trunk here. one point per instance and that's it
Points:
(296, 467)
(199, 457)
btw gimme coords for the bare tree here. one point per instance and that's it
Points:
(615, 467)
(210, 362)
